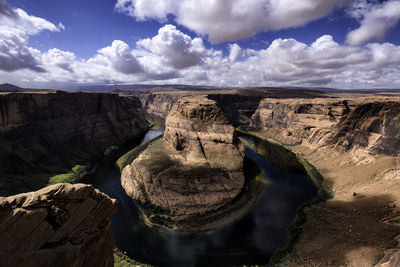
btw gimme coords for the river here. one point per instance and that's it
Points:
(250, 241)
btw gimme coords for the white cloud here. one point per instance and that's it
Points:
(61, 26)
(14, 52)
(228, 20)
(287, 62)
(176, 48)
(15, 27)
(235, 52)
(173, 57)
(61, 59)
(375, 19)
(121, 58)
(19, 19)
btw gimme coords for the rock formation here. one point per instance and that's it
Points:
(360, 125)
(198, 126)
(157, 105)
(195, 171)
(60, 225)
(51, 132)
(238, 105)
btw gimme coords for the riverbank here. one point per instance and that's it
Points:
(360, 223)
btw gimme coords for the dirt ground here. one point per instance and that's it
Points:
(361, 223)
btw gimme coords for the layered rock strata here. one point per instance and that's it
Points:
(60, 225)
(358, 125)
(354, 143)
(51, 132)
(194, 172)
(238, 105)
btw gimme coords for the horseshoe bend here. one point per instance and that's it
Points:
(320, 166)
(196, 169)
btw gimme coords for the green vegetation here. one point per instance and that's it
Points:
(156, 125)
(77, 172)
(122, 260)
(132, 154)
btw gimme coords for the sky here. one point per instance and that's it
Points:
(349, 44)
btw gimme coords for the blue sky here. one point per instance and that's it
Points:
(336, 43)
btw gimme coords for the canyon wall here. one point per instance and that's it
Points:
(359, 125)
(237, 104)
(51, 132)
(60, 225)
(238, 107)
(157, 105)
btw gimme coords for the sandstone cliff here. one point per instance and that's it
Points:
(198, 126)
(157, 105)
(360, 125)
(60, 225)
(51, 132)
(238, 105)
(196, 170)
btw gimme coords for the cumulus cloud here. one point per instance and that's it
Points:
(290, 62)
(6, 10)
(121, 58)
(15, 27)
(14, 52)
(235, 52)
(61, 59)
(173, 57)
(18, 19)
(228, 20)
(176, 48)
(375, 19)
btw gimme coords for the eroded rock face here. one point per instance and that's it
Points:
(199, 127)
(157, 105)
(51, 132)
(196, 170)
(60, 225)
(360, 125)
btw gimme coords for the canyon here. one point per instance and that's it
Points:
(352, 140)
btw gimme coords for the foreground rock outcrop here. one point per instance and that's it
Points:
(51, 132)
(194, 172)
(60, 225)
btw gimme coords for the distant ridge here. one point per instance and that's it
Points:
(8, 87)
(146, 87)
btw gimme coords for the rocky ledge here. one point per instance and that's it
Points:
(186, 180)
(60, 225)
(362, 126)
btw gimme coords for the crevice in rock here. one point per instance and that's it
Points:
(201, 147)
